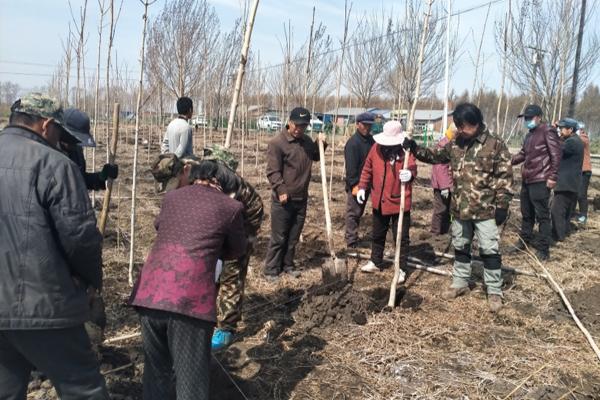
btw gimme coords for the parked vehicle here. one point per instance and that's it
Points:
(269, 122)
(316, 125)
(199, 120)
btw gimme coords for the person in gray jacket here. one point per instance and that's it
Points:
(49, 253)
(569, 179)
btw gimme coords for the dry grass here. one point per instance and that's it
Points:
(426, 348)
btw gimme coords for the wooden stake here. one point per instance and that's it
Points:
(111, 160)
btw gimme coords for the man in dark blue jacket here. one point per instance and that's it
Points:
(355, 153)
(50, 253)
(569, 179)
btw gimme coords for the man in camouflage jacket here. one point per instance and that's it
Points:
(481, 196)
(233, 275)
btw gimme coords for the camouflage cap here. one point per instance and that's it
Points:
(220, 153)
(39, 104)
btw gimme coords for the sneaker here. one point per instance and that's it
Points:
(221, 339)
(352, 251)
(495, 302)
(582, 220)
(401, 276)
(370, 267)
(389, 254)
(452, 293)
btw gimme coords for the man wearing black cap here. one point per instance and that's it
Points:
(77, 124)
(541, 154)
(50, 252)
(290, 155)
(355, 153)
(569, 178)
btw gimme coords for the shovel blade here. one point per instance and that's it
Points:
(335, 270)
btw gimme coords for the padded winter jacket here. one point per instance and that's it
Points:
(441, 175)
(50, 248)
(382, 178)
(569, 173)
(541, 153)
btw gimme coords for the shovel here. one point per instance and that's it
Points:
(334, 269)
(393, 287)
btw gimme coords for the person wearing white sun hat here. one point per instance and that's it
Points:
(383, 175)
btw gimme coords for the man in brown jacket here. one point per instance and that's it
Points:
(290, 155)
(541, 154)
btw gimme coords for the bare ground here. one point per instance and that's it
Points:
(300, 340)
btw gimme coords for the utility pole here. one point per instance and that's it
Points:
(571, 111)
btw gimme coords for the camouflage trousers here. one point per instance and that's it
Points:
(231, 289)
(486, 232)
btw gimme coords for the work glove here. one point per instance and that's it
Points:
(445, 193)
(109, 171)
(361, 195)
(409, 144)
(405, 175)
(500, 215)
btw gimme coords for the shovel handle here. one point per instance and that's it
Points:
(394, 285)
(325, 198)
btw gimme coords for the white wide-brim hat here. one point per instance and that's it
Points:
(392, 134)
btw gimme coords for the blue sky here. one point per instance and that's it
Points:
(31, 32)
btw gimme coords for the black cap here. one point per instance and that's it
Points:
(300, 116)
(568, 123)
(366, 118)
(77, 123)
(531, 111)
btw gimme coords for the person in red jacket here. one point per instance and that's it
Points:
(383, 175)
(441, 183)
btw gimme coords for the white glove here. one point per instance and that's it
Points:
(445, 193)
(218, 270)
(405, 175)
(361, 196)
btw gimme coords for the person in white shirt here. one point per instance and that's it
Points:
(178, 138)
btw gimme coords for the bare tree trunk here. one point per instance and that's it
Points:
(240, 74)
(80, 28)
(447, 69)
(504, 62)
(308, 58)
(411, 117)
(101, 6)
(573, 98)
(109, 182)
(111, 36)
(479, 53)
(68, 59)
(338, 86)
(138, 109)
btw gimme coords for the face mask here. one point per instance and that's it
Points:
(531, 124)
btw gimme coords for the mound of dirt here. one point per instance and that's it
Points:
(345, 305)
(587, 307)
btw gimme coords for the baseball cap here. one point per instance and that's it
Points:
(300, 115)
(366, 118)
(532, 110)
(44, 106)
(568, 123)
(77, 123)
(220, 153)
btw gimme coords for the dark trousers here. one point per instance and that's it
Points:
(582, 199)
(381, 224)
(562, 204)
(63, 355)
(287, 221)
(176, 356)
(353, 213)
(440, 219)
(534, 207)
